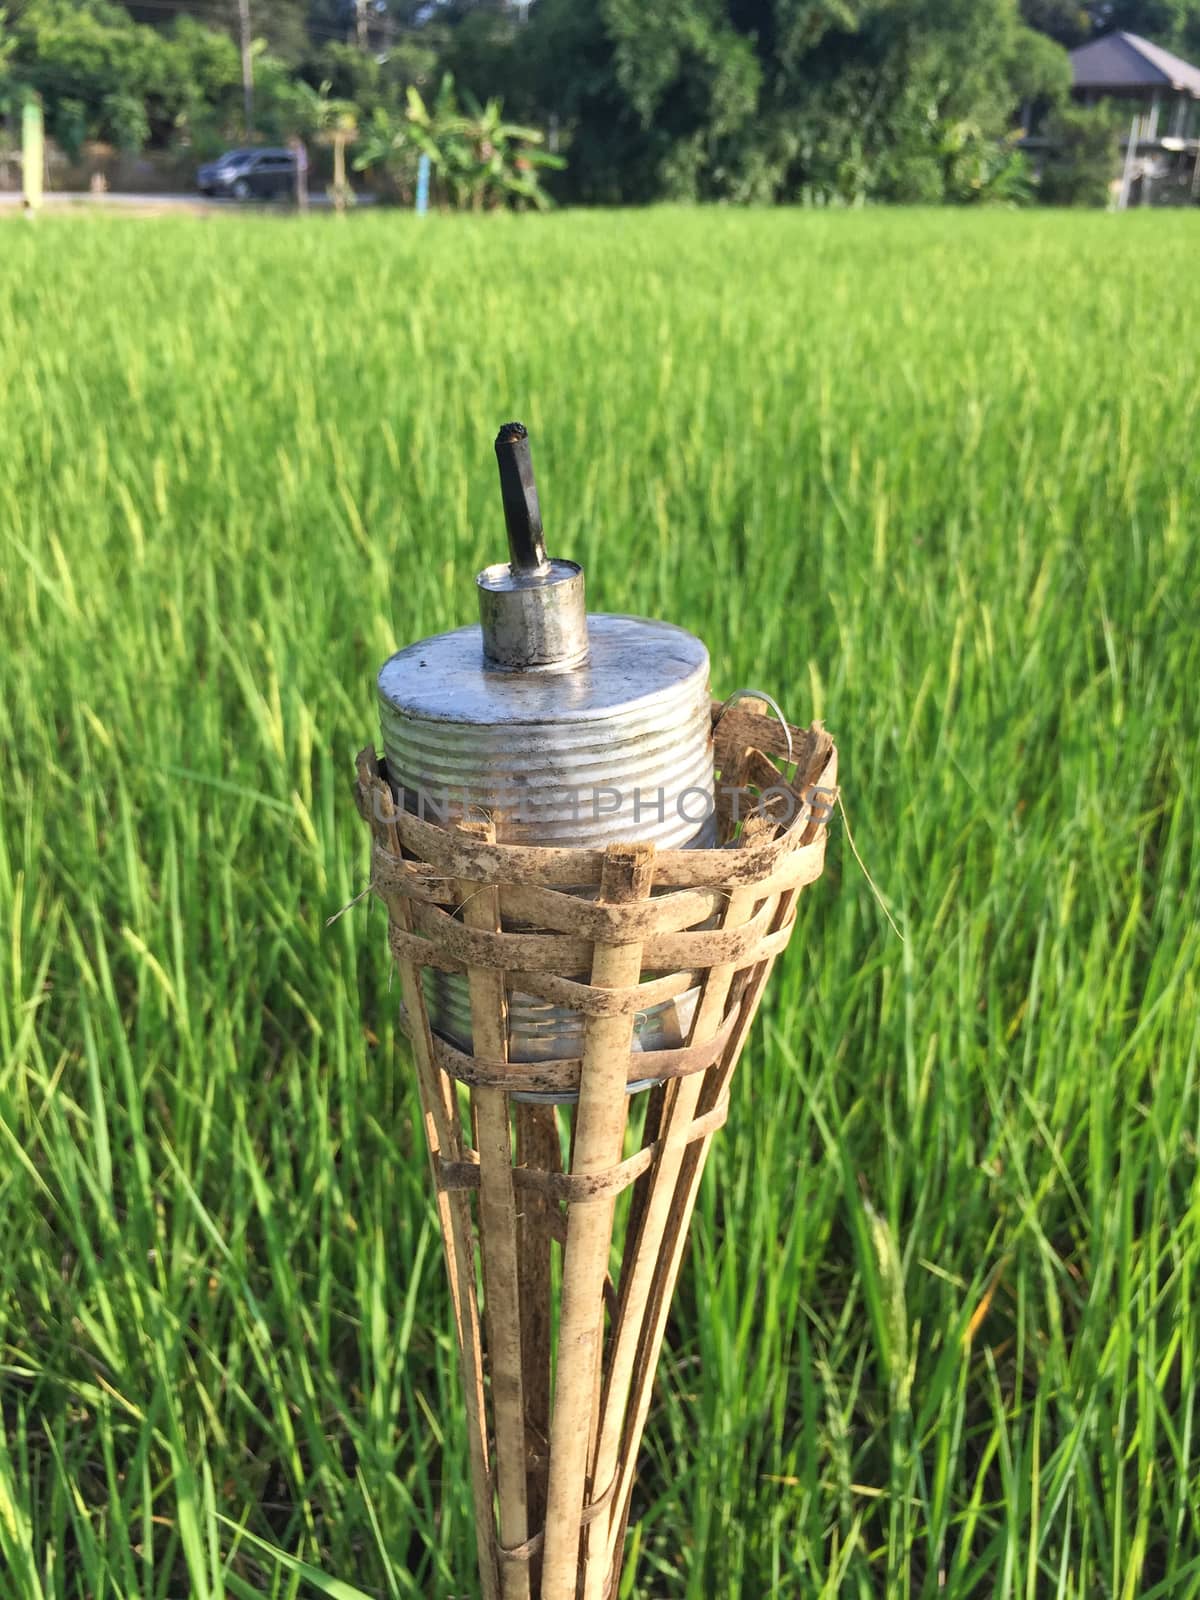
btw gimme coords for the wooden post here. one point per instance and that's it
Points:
(1152, 118)
(339, 172)
(33, 144)
(1127, 170)
(300, 151)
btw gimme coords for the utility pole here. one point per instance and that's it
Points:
(247, 63)
(360, 23)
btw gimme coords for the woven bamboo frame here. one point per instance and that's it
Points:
(553, 1439)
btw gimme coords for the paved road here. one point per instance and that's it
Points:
(169, 202)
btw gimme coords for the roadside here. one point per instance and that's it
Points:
(151, 204)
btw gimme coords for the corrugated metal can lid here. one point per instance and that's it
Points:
(632, 662)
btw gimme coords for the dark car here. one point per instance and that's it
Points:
(249, 174)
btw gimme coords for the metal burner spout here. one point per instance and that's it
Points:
(531, 607)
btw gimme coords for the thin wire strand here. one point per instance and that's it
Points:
(759, 694)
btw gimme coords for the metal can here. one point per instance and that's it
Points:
(562, 729)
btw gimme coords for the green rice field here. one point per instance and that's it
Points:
(930, 476)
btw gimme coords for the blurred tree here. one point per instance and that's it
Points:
(1065, 21)
(652, 94)
(103, 73)
(283, 24)
(1082, 157)
(481, 46)
(1153, 19)
(749, 100)
(692, 80)
(374, 80)
(12, 98)
(206, 61)
(571, 62)
(124, 119)
(1167, 22)
(844, 100)
(9, 84)
(1039, 75)
(91, 53)
(69, 126)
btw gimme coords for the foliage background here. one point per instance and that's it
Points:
(823, 101)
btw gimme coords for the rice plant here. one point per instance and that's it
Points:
(929, 476)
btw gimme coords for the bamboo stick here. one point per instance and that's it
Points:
(716, 1083)
(443, 1140)
(454, 1215)
(635, 1289)
(566, 1470)
(537, 1148)
(599, 1133)
(498, 1239)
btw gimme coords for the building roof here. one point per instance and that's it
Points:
(1127, 61)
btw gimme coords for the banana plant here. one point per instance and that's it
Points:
(478, 160)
